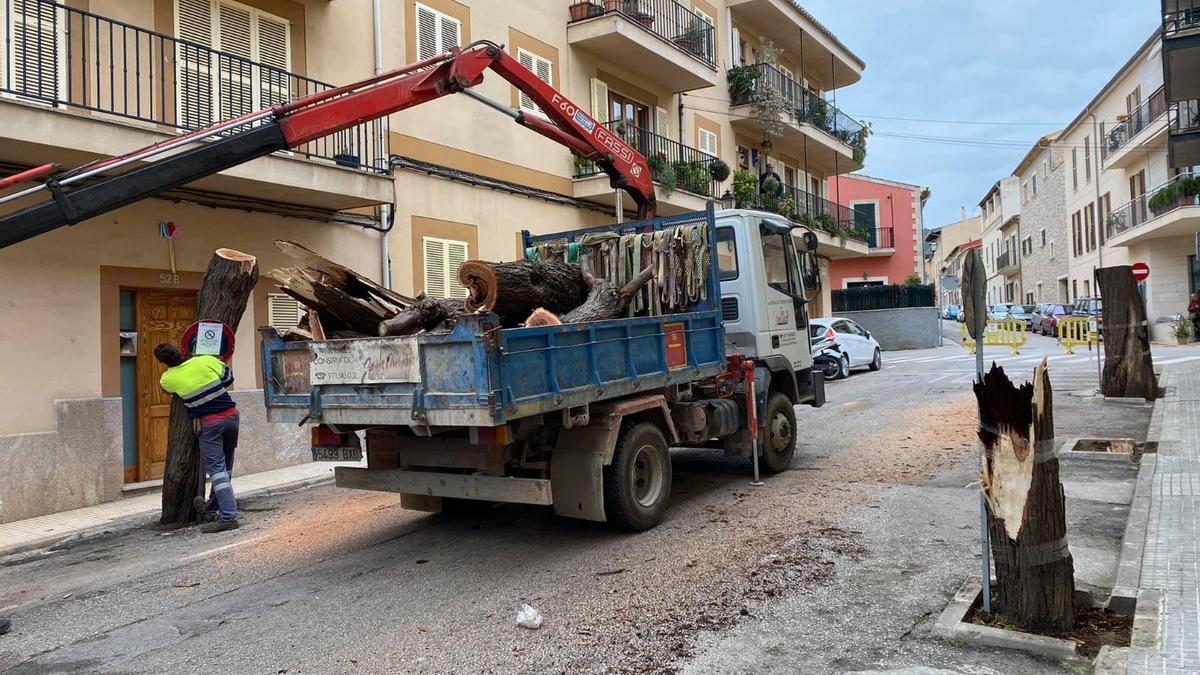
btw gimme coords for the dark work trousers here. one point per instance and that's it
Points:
(218, 439)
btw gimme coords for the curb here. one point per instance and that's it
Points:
(950, 626)
(147, 518)
(1124, 596)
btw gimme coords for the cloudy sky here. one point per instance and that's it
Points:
(1023, 67)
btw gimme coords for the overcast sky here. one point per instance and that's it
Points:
(1015, 61)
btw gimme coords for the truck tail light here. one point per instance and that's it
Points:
(324, 437)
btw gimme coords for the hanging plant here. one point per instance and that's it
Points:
(766, 101)
(719, 170)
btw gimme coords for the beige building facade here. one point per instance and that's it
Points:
(401, 199)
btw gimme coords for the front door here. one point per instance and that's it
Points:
(162, 316)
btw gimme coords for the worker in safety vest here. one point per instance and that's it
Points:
(200, 382)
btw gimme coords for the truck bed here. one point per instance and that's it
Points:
(481, 375)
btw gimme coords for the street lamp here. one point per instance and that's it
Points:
(727, 200)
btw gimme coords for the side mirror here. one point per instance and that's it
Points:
(810, 241)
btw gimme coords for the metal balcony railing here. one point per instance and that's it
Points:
(1185, 116)
(1181, 16)
(1004, 260)
(1149, 111)
(683, 167)
(809, 210)
(881, 237)
(1182, 190)
(667, 19)
(804, 105)
(72, 59)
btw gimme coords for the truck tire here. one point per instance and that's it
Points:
(777, 440)
(637, 484)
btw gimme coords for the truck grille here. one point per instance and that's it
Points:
(729, 309)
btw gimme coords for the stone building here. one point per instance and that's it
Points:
(1044, 231)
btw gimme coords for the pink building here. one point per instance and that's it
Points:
(891, 212)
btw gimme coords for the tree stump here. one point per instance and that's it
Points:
(424, 314)
(605, 300)
(1026, 507)
(514, 289)
(1128, 367)
(223, 295)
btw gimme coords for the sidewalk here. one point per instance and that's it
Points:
(1170, 572)
(58, 528)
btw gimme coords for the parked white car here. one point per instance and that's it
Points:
(858, 346)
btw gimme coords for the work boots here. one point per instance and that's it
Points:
(219, 525)
(5, 626)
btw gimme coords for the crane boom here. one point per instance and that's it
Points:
(94, 189)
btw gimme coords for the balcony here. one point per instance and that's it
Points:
(1167, 211)
(1183, 133)
(880, 240)
(1006, 264)
(76, 87)
(834, 224)
(826, 62)
(660, 40)
(813, 129)
(1140, 129)
(1181, 49)
(682, 173)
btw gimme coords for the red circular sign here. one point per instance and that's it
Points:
(1141, 271)
(193, 337)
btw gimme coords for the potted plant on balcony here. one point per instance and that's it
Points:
(632, 9)
(692, 177)
(815, 111)
(695, 38)
(741, 83)
(745, 187)
(663, 173)
(718, 170)
(583, 165)
(585, 9)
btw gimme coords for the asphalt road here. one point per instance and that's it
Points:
(834, 566)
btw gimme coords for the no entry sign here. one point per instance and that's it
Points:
(1141, 271)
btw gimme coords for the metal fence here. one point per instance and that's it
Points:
(881, 237)
(883, 297)
(684, 167)
(808, 210)
(803, 104)
(1116, 137)
(1183, 15)
(1182, 190)
(73, 59)
(665, 18)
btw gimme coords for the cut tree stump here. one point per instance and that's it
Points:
(1027, 522)
(223, 295)
(605, 300)
(1128, 367)
(424, 314)
(512, 290)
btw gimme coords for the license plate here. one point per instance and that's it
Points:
(337, 454)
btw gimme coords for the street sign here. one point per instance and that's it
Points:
(974, 285)
(950, 282)
(1141, 271)
(208, 337)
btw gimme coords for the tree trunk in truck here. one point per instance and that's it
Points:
(223, 295)
(514, 289)
(1128, 368)
(1026, 508)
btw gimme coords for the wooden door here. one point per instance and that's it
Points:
(162, 316)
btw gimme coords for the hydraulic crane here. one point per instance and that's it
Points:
(98, 188)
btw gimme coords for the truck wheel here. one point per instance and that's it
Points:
(637, 484)
(777, 440)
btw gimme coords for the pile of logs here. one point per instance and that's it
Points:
(343, 304)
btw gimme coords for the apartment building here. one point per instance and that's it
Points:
(892, 213)
(945, 246)
(1043, 222)
(82, 80)
(1130, 188)
(1001, 215)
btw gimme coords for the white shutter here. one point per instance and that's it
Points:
(194, 23)
(283, 311)
(427, 32)
(708, 141)
(275, 54)
(35, 48)
(235, 30)
(539, 67)
(735, 46)
(442, 260)
(456, 255)
(450, 32)
(662, 124)
(599, 100)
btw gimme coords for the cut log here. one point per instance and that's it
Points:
(1027, 524)
(514, 289)
(339, 275)
(605, 300)
(424, 314)
(223, 295)
(1128, 368)
(335, 305)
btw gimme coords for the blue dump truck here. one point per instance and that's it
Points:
(580, 416)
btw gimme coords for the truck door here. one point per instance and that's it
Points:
(783, 288)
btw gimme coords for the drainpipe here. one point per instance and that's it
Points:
(385, 211)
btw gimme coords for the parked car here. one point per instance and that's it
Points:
(1022, 313)
(1088, 307)
(1045, 319)
(858, 346)
(950, 312)
(998, 311)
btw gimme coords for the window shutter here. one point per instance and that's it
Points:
(708, 142)
(735, 46)
(283, 312)
(195, 87)
(662, 123)
(540, 68)
(236, 83)
(435, 268)
(451, 33)
(35, 48)
(274, 52)
(456, 255)
(427, 32)
(599, 100)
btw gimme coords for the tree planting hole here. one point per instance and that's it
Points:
(1119, 446)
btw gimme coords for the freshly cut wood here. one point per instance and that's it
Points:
(339, 275)
(1128, 368)
(514, 289)
(1027, 523)
(541, 317)
(223, 295)
(425, 313)
(606, 300)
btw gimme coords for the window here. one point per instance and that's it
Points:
(1024, 192)
(1076, 234)
(540, 67)
(711, 34)
(1089, 226)
(436, 32)
(31, 42)
(214, 87)
(707, 141)
(1027, 246)
(1105, 211)
(1033, 184)
(1087, 158)
(442, 258)
(726, 253)
(1074, 288)
(1052, 250)
(1029, 297)
(283, 311)
(1075, 168)
(1134, 100)
(1087, 293)
(1042, 234)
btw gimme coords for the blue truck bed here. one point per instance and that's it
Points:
(481, 375)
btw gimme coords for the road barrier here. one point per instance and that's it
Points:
(1000, 333)
(1076, 331)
